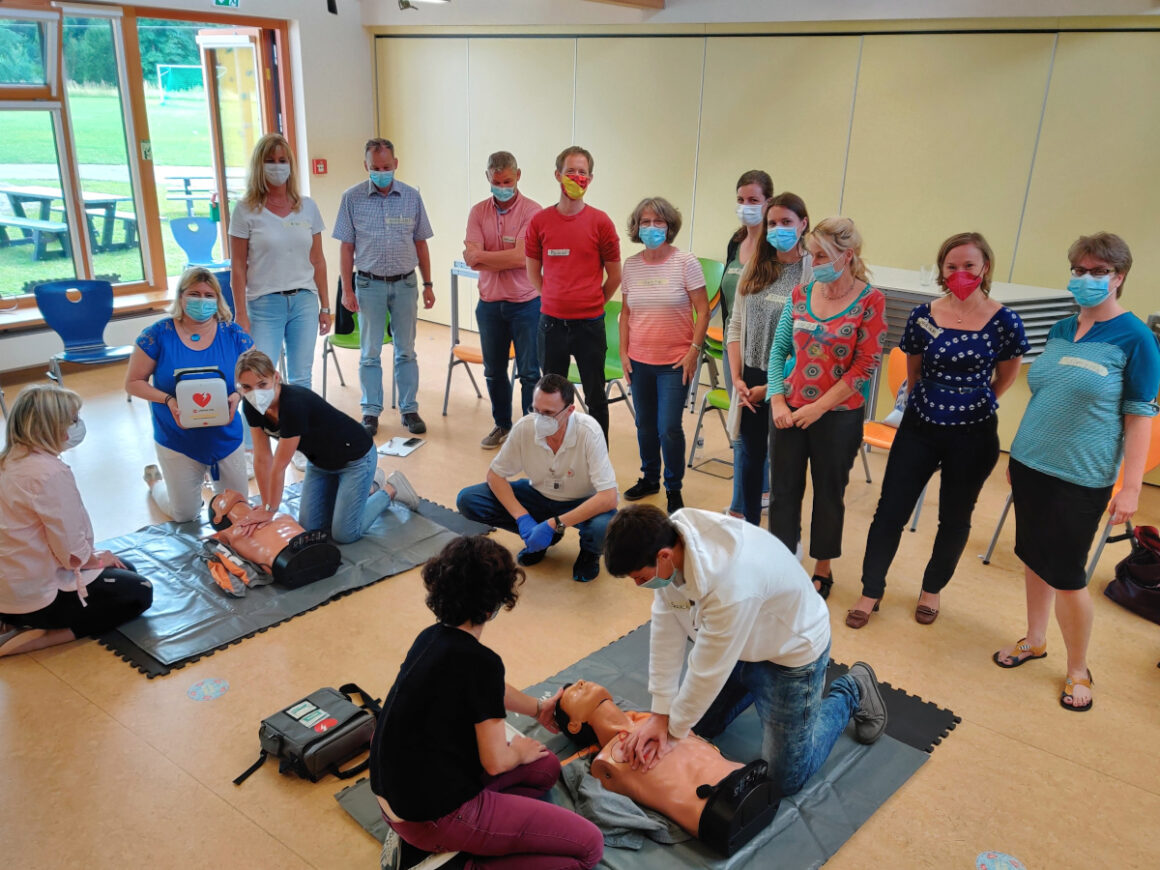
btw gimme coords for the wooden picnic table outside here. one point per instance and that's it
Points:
(96, 205)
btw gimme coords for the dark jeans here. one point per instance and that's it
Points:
(828, 447)
(750, 451)
(659, 393)
(966, 455)
(502, 324)
(480, 504)
(114, 597)
(799, 725)
(559, 340)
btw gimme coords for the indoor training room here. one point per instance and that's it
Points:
(408, 407)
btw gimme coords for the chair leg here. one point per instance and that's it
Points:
(865, 462)
(447, 389)
(1100, 549)
(697, 431)
(998, 528)
(3, 406)
(625, 395)
(694, 383)
(478, 394)
(917, 510)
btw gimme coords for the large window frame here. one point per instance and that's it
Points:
(50, 96)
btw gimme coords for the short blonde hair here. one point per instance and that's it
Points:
(663, 209)
(835, 236)
(199, 275)
(568, 152)
(256, 189)
(255, 361)
(39, 419)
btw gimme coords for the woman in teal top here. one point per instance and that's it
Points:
(1093, 394)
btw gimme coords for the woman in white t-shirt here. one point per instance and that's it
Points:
(278, 272)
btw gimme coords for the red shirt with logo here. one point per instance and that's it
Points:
(573, 250)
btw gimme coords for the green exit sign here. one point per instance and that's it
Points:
(233, 3)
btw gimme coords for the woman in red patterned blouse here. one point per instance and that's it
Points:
(834, 328)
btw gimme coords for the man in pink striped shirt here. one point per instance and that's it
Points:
(509, 306)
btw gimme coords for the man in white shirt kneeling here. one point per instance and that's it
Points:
(567, 480)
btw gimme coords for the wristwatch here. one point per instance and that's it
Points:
(559, 524)
(323, 310)
(428, 283)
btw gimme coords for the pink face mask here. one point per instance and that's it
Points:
(963, 283)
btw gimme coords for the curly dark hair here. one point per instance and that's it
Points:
(635, 536)
(470, 579)
(586, 736)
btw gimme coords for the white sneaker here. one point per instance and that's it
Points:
(764, 500)
(799, 552)
(299, 460)
(404, 493)
(379, 481)
(249, 464)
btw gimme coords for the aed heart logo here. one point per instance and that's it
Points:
(325, 725)
(202, 399)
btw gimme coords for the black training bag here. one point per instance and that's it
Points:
(318, 734)
(1137, 582)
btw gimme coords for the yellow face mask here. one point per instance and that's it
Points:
(574, 185)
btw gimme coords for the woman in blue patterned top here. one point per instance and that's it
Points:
(1093, 394)
(962, 352)
(198, 333)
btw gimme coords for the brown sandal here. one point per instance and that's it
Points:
(1069, 687)
(1022, 646)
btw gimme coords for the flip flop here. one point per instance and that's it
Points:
(1022, 646)
(1069, 686)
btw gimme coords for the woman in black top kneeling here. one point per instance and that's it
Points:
(445, 775)
(344, 491)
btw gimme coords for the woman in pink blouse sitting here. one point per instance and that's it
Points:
(54, 587)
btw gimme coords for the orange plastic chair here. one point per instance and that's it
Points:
(875, 434)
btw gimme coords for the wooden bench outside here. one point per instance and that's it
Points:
(38, 232)
(191, 189)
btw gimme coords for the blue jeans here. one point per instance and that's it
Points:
(377, 299)
(500, 325)
(660, 394)
(799, 725)
(339, 501)
(479, 503)
(751, 455)
(277, 320)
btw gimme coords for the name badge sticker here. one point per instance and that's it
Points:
(805, 325)
(559, 252)
(1081, 363)
(399, 221)
(929, 328)
(508, 240)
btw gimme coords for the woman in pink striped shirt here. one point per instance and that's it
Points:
(54, 587)
(660, 342)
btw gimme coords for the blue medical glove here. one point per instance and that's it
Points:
(526, 526)
(540, 538)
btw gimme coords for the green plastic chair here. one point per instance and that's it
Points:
(613, 371)
(350, 341)
(718, 400)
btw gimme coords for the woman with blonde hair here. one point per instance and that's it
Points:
(779, 263)
(277, 269)
(833, 327)
(48, 567)
(198, 333)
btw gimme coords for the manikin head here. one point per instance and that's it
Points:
(577, 706)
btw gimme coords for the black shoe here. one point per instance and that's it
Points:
(675, 502)
(371, 424)
(824, 584)
(414, 423)
(870, 717)
(586, 567)
(640, 489)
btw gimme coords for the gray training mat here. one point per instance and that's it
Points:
(191, 617)
(810, 826)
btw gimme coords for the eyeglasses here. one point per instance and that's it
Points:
(1098, 272)
(551, 414)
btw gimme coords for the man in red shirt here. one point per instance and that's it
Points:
(573, 259)
(509, 306)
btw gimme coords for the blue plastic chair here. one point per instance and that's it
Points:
(80, 322)
(223, 278)
(197, 237)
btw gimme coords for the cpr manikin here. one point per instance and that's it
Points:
(281, 547)
(722, 803)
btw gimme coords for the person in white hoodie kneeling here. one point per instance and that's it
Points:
(761, 635)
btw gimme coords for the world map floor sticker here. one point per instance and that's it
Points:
(998, 861)
(207, 689)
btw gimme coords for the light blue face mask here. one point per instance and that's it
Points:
(382, 179)
(503, 194)
(827, 274)
(200, 308)
(652, 237)
(782, 238)
(1088, 290)
(661, 582)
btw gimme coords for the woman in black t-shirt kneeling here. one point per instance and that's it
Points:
(445, 775)
(344, 490)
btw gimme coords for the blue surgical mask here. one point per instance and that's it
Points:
(503, 194)
(782, 238)
(382, 179)
(750, 215)
(661, 582)
(1088, 290)
(652, 237)
(199, 308)
(827, 274)
(76, 434)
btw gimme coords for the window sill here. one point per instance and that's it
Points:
(27, 318)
